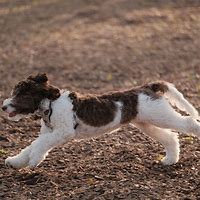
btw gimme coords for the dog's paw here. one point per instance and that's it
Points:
(168, 161)
(34, 161)
(33, 164)
(14, 162)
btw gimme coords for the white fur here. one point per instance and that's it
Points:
(8, 103)
(176, 98)
(155, 117)
(166, 137)
(161, 114)
(10, 109)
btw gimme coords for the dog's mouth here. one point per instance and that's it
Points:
(12, 114)
(14, 110)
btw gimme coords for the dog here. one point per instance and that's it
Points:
(66, 115)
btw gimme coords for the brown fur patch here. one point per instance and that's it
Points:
(155, 89)
(93, 110)
(99, 110)
(28, 94)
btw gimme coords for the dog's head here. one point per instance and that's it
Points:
(28, 94)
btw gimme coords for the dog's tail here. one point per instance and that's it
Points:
(175, 97)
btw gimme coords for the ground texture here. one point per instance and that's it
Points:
(96, 46)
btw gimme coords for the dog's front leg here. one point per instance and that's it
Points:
(21, 160)
(35, 153)
(44, 143)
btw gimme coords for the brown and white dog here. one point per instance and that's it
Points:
(66, 115)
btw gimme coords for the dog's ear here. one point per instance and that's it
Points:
(39, 78)
(52, 93)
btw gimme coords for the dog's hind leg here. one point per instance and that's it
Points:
(166, 137)
(160, 113)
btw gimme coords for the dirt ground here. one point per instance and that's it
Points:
(96, 46)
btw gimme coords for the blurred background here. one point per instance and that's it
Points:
(96, 46)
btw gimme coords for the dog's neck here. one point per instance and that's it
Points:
(45, 110)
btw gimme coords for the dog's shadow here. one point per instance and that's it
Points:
(31, 177)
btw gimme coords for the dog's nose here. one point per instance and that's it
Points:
(4, 108)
